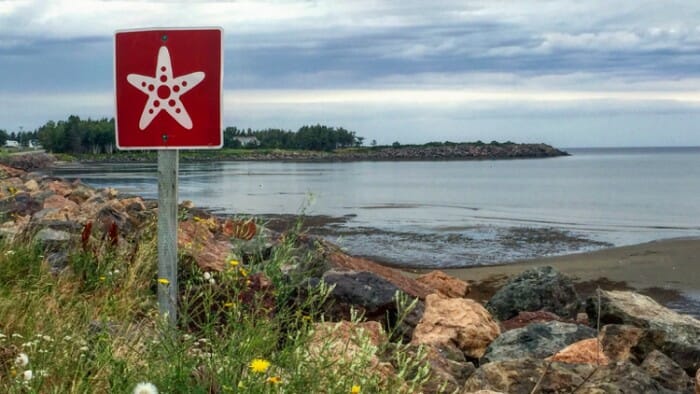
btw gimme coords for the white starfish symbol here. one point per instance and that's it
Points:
(164, 91)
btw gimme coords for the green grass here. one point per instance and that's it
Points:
(95, 327)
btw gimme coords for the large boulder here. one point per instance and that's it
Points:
(523, 375)
(676, 335)
(536, 340)
(541, 288)
(665, 371)
(457, 322)
(444, 284)
(365, 291)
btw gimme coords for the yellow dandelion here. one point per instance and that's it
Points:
(234, 263)
(274, 380)
(355, 389)
(243, 272)
(229, 305)
(259, 365)
(163, 281)
(103, 278)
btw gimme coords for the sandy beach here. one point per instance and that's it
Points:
(667, 270)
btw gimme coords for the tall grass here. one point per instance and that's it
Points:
(95, 328)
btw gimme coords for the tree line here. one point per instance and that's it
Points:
(77, 136)
(317, 137)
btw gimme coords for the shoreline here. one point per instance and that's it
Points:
(668, 270)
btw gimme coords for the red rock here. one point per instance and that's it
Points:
(444, 284)
(525, 318)
(459, 321)
(587, 351)
(195, 239)
(57, 201)
(60, 187)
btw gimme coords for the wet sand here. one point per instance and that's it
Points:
(667, 270)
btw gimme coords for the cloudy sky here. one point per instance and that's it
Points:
(569, 73)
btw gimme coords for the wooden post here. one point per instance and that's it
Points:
(167, 234)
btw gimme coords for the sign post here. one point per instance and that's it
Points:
(168, 88)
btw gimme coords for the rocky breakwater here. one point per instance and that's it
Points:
(534, 335)
(448, 151)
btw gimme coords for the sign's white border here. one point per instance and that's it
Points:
(221, 90)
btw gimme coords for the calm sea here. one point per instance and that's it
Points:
(453, 213)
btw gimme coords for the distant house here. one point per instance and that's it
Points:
(34, 144)
(247, 141)
(11, 144)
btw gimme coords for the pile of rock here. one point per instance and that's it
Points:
(531, 336)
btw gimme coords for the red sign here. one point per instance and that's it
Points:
(168, 85)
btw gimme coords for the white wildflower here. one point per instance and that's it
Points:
(212, 281)
(145, 388)
(9, 253)
(68, 338)
(22, 360)
(15, 335)
(27, 375)
(84, 348)
(207, 276)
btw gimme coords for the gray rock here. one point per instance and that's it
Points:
(520, 376)
(364, 291)
(538, 340)
(541, 288)
(676, 335)
(52, 239)
(57, 261)
(665, 371)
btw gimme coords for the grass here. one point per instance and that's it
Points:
(95, 327)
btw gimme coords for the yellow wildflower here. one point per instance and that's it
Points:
(163, 281)
(243, 272)
(274, 379)
(103, 278)
(259, 365)
(234, 262)
(229, 305)
(355, 389)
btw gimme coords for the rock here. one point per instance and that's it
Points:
(372, 294)
(444, 284)
(52, 239)
(587, 351)
(536, 340)
(59, 202)
(343, 342)
(460, 322)
(697, 381)
(665, 371)
(31, 185)
(520, 376)
(676, 335)
(57, 261)
(196, 241)
(341, 261)
(60, 187)
(525, 318)
(21, 203)
(618, 340)
(446, 375)
(541, 288)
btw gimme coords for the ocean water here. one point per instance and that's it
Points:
(451, 213)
